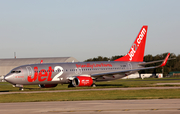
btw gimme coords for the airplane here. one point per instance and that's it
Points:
(78, 74)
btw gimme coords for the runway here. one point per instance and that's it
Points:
(154, 106)
(103, 89)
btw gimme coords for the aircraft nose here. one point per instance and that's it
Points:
(9, 78)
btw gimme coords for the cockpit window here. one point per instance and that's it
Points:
(15, 71)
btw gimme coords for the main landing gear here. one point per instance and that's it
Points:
(70, 85)
(93, 85)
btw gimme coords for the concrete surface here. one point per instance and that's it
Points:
(154, 106)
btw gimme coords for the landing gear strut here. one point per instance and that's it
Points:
(70, 85)
(93, 85)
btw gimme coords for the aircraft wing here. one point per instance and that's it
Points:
(146, 63)
(131, 70)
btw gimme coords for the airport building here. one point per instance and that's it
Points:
(137, 75)
(174, 73)
(6, 65)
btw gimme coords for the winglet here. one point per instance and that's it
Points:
(165, 60)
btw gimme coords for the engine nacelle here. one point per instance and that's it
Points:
(79, 81)
(47, 85)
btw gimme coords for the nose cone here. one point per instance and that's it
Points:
(9, 78)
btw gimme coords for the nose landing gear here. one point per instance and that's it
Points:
(20, 86)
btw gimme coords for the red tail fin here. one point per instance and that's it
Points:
(136, 53)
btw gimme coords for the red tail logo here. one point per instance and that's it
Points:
(136, 52)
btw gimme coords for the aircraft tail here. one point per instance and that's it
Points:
(136, 52)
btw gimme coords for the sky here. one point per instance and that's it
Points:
(86, 29)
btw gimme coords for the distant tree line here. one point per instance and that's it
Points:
(172, 65)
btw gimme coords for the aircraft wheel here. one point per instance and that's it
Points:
(93, 85)
(21, 88)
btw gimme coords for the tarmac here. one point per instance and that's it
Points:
(154, 106)
(103, 89)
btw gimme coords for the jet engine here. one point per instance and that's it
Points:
(79, 81)
(47, 85)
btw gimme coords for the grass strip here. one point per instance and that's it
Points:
(92, 95)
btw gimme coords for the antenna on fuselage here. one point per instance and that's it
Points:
(14, 55)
